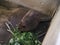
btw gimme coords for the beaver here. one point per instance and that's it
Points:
(33, 17)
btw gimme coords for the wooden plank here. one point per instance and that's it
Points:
(53, 34)
(44, 6)
(7, 4)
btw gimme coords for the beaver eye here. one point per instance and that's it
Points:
(23, 26)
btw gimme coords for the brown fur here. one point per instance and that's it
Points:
(31, 20)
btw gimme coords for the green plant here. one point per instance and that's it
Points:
(25, 38)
